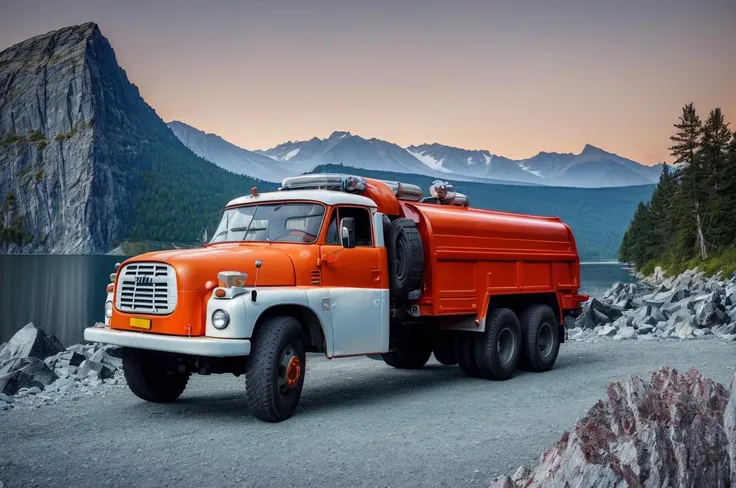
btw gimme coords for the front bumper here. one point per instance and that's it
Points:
(195, 346)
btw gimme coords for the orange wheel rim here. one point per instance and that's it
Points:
(293, 372)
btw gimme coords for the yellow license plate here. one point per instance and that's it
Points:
(140, 323)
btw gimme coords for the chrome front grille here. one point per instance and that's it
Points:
(146, 288)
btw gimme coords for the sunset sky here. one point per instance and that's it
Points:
(514, 77)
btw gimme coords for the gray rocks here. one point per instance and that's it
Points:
(627, 333)
(30, 342)
(674, 307)
(26, 373)
(29, 370)
(676, 431)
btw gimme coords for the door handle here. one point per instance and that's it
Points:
(376, 273)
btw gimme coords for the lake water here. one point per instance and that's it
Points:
(65, 294)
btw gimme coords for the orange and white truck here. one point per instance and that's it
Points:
(345, 266)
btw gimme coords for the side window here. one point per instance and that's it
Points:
(363, 234)
(331, 237)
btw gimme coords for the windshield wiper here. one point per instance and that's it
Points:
(234, 229)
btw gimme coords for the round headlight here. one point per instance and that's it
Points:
(220, 319)
(108, 309)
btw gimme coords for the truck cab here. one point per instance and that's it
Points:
(344, 266)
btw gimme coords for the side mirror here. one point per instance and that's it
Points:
(204, 237)
(347, 232)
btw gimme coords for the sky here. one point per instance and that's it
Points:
(515, 77)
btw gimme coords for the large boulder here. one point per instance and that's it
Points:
(710, 314)
(26, 373)
(596, 312)
(606, 310)
(31, 342)
(668, 432)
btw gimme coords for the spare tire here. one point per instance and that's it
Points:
(405, 257)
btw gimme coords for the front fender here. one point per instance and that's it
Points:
(244, 312)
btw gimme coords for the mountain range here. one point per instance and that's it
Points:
(592, 168)
(86, 163)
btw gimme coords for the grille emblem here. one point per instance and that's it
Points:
(143, 280)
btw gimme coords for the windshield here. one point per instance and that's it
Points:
(273, 222)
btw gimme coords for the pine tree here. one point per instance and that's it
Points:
(727, 201)
(693, 181)
(714, 153)
(663, 212)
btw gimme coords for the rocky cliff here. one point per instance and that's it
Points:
(85, 162)
(64, 108)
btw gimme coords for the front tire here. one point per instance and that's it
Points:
(409, 355)
(497, 350)
(274, 373)
(151, 377)
(540, 338)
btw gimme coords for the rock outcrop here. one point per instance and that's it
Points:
(675, 431)
(682, 307)
(85, 162)
(62, 168)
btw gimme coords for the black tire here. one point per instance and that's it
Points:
(498, 349)
(443, 347)
(152, 377)
(465, 353)
(540, 338)
(409, 355)
(405, 257)
(274, 374)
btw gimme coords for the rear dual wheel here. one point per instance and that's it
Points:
(494, 353)
(540, 338)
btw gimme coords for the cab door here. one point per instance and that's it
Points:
(357, 280)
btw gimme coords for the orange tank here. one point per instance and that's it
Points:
(472, 255)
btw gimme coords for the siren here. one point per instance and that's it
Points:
(446, 194)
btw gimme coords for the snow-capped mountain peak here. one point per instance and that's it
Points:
(592, 167)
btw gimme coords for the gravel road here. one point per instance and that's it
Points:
(360, 423)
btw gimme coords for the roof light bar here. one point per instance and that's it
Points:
(326, 181)
(405, 191)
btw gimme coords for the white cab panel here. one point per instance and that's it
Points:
(360, 320)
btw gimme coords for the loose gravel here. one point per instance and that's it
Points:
(360, 423)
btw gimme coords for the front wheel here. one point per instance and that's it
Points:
(153, 376)
(274, 373)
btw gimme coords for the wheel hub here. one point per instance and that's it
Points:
(293, 372)
(545, 339)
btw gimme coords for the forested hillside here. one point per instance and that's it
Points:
(597, 216)
(691, 219)
(184, 194)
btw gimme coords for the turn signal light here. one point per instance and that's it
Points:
(228, 279)
(220, 293)
(109, 288)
